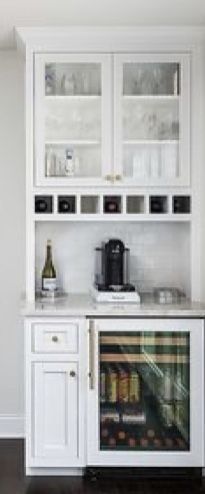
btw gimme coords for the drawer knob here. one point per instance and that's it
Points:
(72, 373)
(54, 339)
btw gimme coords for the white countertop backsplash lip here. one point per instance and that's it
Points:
(82, 305)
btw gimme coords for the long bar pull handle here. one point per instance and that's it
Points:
(91, 331)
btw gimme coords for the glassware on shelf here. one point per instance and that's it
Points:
(157, 79)
(50, 162)
(85, 83)
(50, 80)
(68, 84)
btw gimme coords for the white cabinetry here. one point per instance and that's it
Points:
(112, 119)
(55, 393)
(72, 119)
(56, 411)
(152, 119)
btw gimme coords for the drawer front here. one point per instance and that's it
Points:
(55, 337)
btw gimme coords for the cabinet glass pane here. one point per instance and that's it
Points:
(73, 79)
(151, 162)
(73, 120)
(144, 391)
(151, 79)
(151, 121)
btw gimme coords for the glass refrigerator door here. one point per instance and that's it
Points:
(144, 387)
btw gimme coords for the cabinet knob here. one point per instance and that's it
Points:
(118, 177)
(54, 339)
(72, 373)
(108, 178)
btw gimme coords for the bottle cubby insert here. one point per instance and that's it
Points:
(112, 204)
(89, 204)
(67, 204)
(181, 204)
(135, 204)
(158, 204)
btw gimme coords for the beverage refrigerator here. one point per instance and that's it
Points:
(145, 392)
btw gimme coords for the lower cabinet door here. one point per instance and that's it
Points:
(55, 413)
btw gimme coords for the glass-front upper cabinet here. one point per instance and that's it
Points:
(72, 108)
(144, 387)
(152, 119)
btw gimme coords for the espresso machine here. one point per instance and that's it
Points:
(112, 278)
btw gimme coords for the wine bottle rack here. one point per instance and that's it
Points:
(105, 207)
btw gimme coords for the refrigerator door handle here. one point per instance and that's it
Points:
(91, 374)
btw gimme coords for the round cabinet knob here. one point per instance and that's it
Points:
(72, 373)
(118, 177)
(108, 177)
(54, 339)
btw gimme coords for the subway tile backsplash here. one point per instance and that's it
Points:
(159, 252)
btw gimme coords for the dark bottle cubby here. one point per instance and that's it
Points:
(181, 204)
(158, 204)
(112, 204)
(43, 204)
(66, 204)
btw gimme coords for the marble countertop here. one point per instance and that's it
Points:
(81, 305)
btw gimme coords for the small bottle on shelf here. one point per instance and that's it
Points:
(123, 386)
(69, 163)
(168, 389)
(102, 386)
(48, 273)
(112, 386)
(134, 387)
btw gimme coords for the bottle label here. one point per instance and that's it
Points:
(49, 284)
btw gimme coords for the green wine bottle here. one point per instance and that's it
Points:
(48, 272)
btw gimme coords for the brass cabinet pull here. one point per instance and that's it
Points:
(54, 339)
(110, 178)
(72, 373)
(91, 332)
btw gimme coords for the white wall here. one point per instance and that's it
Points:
(12, 239)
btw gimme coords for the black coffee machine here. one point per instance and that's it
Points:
(112, 267)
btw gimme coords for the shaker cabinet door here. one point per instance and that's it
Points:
(55, 413)
(72, 123)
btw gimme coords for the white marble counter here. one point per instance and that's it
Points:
(81, 305)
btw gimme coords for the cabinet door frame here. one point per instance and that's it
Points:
(32, 358)
(184, 117)
(106, 118)
(192, 458)
(70, 450)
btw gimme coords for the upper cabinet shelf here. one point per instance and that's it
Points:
(119, 119)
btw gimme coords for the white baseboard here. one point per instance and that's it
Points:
(11, 426)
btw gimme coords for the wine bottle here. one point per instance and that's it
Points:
(48, 272)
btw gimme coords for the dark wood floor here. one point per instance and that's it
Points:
(13, 481)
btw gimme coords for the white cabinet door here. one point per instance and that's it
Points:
(55, 413)
(72, 113)
(152, 119)
(146, 393)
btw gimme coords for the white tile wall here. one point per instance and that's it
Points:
(159, 252)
